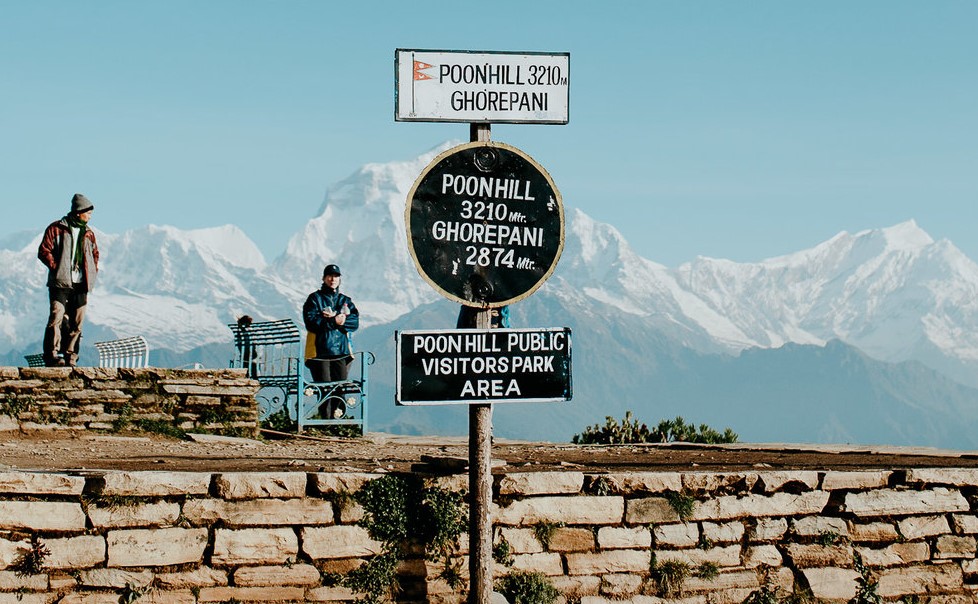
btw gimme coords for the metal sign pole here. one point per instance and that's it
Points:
(511, 257)
(480, 468)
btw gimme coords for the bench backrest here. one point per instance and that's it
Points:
(34, 360)
(125, 352)
(267, 348)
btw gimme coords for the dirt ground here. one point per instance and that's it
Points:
(385, 452)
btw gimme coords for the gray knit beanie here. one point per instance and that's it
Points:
(80, 204)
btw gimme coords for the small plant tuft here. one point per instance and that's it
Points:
(502, 552)
(116, 501)
(600, 486)
(330, 579)
(682, 503)
(280, 421)
(343, 500)
(767, 594)
(452, 575)
(670, 576)
(123, 419)
(338, 431)
(131, 593)
(521, 587)
(31, 561)
(544, 532)
(865, 585)
(707, 571)
(827, 538)
(161, 427)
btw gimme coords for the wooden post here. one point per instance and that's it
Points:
(480, 468)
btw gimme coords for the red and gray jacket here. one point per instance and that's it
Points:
(55, 252)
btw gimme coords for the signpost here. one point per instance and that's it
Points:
(485, 224)
(485, 227)
(483, 365)
(491, 87)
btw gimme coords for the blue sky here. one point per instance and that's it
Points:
(740, 130)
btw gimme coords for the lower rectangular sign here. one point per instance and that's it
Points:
(483, 366)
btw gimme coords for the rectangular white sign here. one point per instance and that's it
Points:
(477, 87)
(483, 365)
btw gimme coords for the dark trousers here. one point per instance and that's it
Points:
(62, 335)
(329, 370)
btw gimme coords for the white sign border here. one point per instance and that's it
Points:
(397, 367)
(397, 87)
(409, 204)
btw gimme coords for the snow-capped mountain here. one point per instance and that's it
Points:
(893, 294)
(360, 226)
(177, 288)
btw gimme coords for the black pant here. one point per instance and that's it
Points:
(329, 370)
(62, 334)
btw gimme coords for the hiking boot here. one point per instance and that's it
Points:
(54, 362)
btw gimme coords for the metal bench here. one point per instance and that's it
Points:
(34, 360)
(125, 352)
(346, 398)
(272, 352)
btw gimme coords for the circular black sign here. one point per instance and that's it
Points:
(485, 224)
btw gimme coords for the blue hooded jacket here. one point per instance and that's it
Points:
(332, 340)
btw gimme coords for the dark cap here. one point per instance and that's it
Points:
(80, 204)
(332, 269)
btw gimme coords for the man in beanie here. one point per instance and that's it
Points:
(69, 251)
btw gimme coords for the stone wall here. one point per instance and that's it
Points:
(610, 537)
(110, 399)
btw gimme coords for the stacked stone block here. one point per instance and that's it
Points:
(88, 398)
(598, 537)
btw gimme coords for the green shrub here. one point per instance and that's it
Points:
(613, 433)
(522, 587)
(337, 431)
(376, 579)
(400, 512)
(160, 426)
(15, 405)
(279, 421)
(631, 431)
(677, 430)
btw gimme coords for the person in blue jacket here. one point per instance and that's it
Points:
(332, 317)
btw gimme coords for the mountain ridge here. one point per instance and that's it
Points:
(893, 294)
